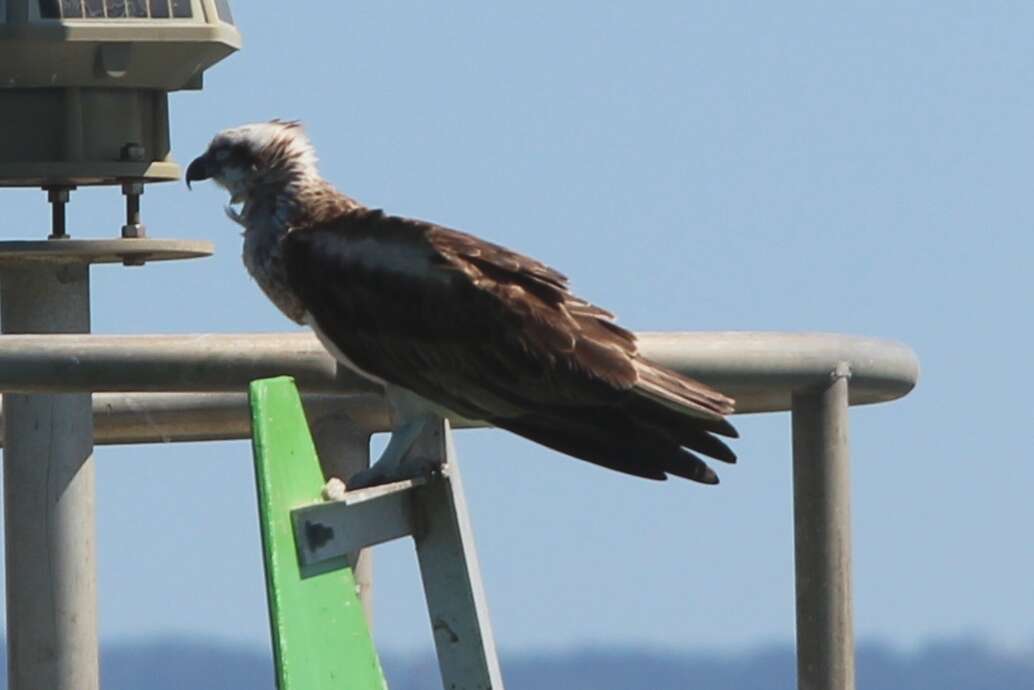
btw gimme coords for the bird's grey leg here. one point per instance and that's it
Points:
(415, 448)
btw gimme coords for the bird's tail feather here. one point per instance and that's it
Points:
(613, 439)
(691, 432)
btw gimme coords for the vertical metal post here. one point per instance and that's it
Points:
(822, 536)
(49, 496)
(344, 449)
(449, 568)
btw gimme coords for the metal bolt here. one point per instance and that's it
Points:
(841, 371)
(133, 152)
(133, 226)
(58, 197)
(317, 534)
(133, 229)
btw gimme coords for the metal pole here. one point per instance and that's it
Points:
(49, 496)
(822, 536)
(343, 448)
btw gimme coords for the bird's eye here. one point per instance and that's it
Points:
(221, 154)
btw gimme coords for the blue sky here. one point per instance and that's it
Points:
(857, 167)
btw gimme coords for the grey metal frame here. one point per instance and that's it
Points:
(191, 387)
(434, 513)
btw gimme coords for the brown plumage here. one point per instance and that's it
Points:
(461, 322)
(495, 335)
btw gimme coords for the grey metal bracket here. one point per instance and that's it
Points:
(434, 512)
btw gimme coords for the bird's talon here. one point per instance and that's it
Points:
(411, 468)
(334, 490)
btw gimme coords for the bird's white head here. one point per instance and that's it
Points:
(274, 155)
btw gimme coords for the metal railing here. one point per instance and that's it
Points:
(166, 388)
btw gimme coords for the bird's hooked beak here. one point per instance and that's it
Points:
(199, 169)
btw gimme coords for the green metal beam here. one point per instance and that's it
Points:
(321, 640)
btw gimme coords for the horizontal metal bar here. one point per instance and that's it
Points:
(760, 369)
(124, 418)
(326, 531)
(168, 363)
(763, 369)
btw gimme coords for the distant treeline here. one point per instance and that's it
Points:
(173, 664)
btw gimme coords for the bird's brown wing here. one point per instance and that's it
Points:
(498, 336)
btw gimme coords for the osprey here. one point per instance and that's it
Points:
(449, 322)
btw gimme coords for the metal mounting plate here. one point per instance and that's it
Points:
(102, 251)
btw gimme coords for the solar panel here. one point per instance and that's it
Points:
(222, 7)
(124, 9)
